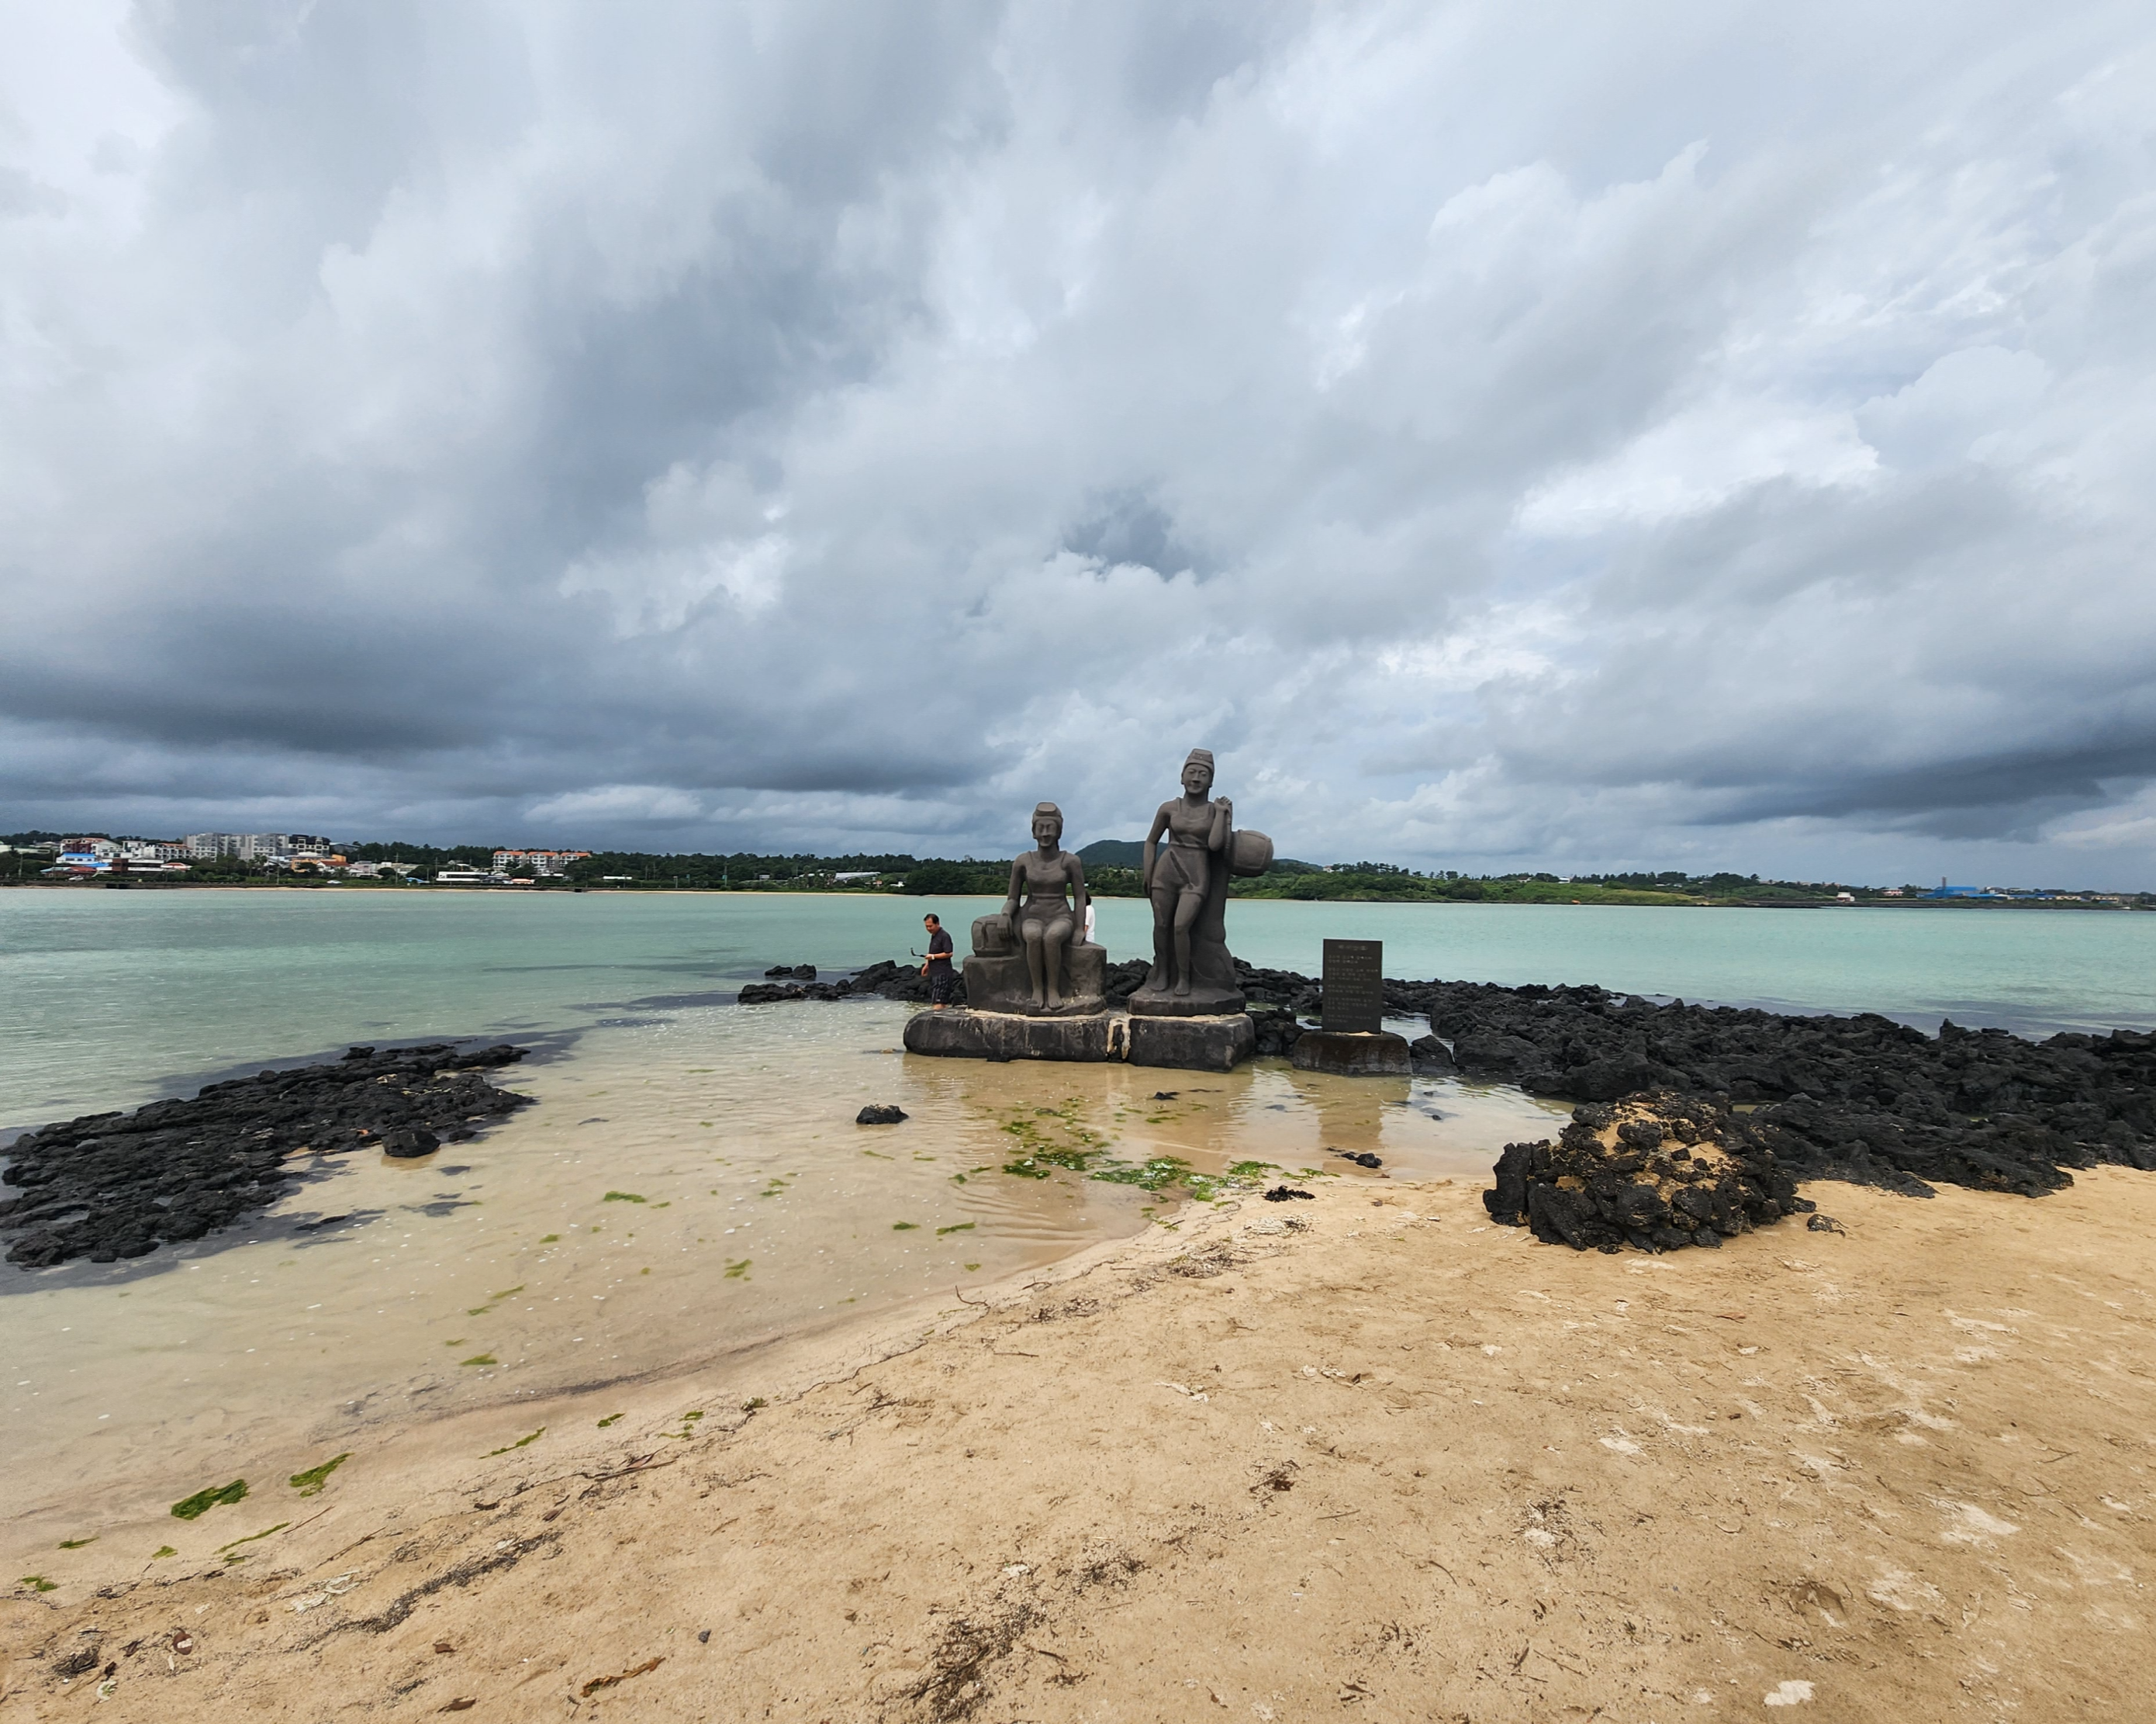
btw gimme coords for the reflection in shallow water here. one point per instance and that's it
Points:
(687, 1187)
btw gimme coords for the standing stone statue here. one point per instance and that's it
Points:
(1187, 879)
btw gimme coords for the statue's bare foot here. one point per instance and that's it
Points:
(1183, 987)
(1040, 1002)
(1156, 979)
(1054, 1002)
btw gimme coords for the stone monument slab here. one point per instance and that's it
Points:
(1355, 986)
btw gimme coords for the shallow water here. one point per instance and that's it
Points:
(684, 1188)
(108, 999)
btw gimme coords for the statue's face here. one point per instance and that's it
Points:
(1047, 833)
(1196, 777)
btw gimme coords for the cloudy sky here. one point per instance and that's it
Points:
(1508, 435)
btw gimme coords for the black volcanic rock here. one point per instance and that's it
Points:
(111, 1186)
(1656, 1172)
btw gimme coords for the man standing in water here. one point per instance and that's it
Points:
(937, 968)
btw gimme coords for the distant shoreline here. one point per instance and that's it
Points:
(1611, 902)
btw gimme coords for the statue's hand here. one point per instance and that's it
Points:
(1224, 806)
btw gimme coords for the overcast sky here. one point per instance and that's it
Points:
(1573, 436)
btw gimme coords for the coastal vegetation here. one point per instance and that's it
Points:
(1111, 871)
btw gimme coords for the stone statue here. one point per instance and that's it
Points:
(1061, 973)
(1051, 882)
(1187, 879)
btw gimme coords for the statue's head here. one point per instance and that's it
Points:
(1048, 826)
(1197, 772)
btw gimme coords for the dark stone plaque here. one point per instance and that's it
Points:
(1354, 986)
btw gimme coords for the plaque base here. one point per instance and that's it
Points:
(1352, 1054)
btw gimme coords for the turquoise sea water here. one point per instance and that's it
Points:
(109, 997)
(692, 1187)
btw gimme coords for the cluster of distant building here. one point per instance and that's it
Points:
(177, 855)
(86, 858)
(2016, 895)
(513, 868)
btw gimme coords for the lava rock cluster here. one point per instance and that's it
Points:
(1862, 1099)
(1657, 1172)
(113, 1185)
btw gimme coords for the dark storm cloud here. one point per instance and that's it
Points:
(1590, 438)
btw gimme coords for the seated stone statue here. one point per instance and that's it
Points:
(1045, 915)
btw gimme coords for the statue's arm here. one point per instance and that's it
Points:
(1078, 895)
(1152, 837)
(1224, 814)
(1010, 899)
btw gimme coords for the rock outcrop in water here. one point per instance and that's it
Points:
(111, 1185)
(1657, 1172)
(1862, 1099)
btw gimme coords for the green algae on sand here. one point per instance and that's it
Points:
(310, 1482)
(251, 1538)
(520, 1443)
(193, 1508)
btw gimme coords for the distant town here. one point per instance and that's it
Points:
(302, 860)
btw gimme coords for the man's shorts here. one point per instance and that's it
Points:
(939, 985)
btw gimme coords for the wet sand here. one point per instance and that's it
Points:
(1393, 1463)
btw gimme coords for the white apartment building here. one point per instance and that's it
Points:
(542, 863)
(246, 846)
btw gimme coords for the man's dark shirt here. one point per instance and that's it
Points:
(939, 953)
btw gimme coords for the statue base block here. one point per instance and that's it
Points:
(964, 1035)
(1344, 1054)
(1186, 1043)
(1218, 1043)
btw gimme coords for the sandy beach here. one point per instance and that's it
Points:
(1365, 1456)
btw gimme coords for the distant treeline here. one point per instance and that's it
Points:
(1111, 871)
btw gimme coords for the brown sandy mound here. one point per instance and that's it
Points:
(1393, 1464)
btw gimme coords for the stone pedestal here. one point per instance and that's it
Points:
(1215, 1044)
(963, 1034)
(1352, 1054)
(999, 980)
(1201, 1002)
